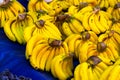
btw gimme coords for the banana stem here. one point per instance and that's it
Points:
(94, 60)
(55, 43)
(101, 46)
(39, 24)
(22, 16)
(85, 36)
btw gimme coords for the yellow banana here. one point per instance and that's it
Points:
(8, 31)
(44, 57)
(73, 29)
(51, 56)
(71, 42)
(77, 25)
(90, 74)
(85, 20)
(31, 5)
(3, 21)
(72, 10)
(106, 61)
(93, 36)
(65, 46)
(92, 24)
(98, 24)
(14, 27)
(83, 71)
(28, 31)
(18, 6)
(57, 62)
(53, 27)
(104, 21)
(77, 72)
(106, 73)
(114, 73)
(83, 51)
(102, 3)
(111, 3)
(39, 56)
(35, 53)
(31, 44)
(66, 30)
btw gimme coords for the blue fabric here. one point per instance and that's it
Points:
(12, 57)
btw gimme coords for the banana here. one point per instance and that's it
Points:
(110, 10)
(102, 65)
(110, 54)
(85, 20)
(72, 28)
(28, 31)
(82, 12)
(77, 72)
(92, 24)
(19, 29)
(102, 4)
(38, 6)
(83, 51)
(14, 27)
(116, 37)
(10, 13)
(3, 19)
(44, 57)
(35, 53)
(113, 75)
(65, 46)
(72, 41)
(39, 57)
(18, 6)
(111, 3)
(90, 74)
(77, 25)
(31, 44)
(51, 56)
(98, 24)
(57, 62)
(76, 2)
(114, 52)
(105, 74)
(106, 61)
(104, 21)
(51, 25)
(83, 71)
(106, 4)
(93, 36)
(8, 31)
(31, 5)
(76, 44)
(66, 30)
(72, 10)
(52, 32)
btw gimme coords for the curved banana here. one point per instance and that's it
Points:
(8, 31)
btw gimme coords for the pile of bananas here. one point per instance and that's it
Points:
(56, 32)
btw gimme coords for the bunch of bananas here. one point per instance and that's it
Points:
(115, 11)
(9, 9)
(92, 68)
(58, 31)
(14, 27)
(107, 3)
(41, 50)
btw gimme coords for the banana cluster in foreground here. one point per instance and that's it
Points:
(57, 32)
